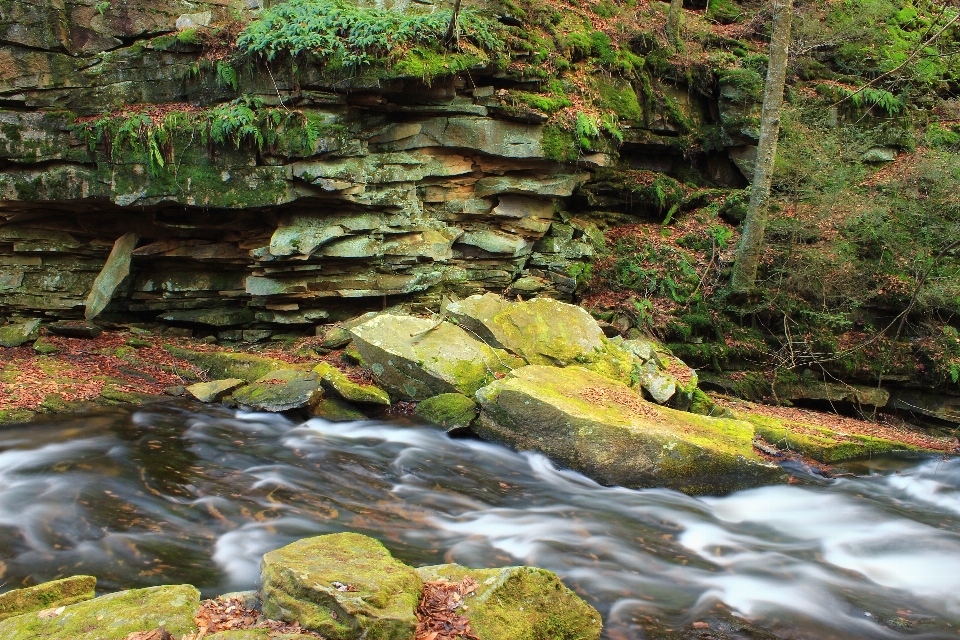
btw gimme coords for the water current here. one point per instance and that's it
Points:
(174, 493)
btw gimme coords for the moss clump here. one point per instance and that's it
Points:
(448, 410)
(336, 410)
(520, 603)
(112, 616)
(48, 595)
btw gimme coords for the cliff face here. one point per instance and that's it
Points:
(365, 186)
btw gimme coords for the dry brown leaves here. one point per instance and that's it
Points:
(156, 634)
(80, 367)
(623, 398)
(231, 614)
(437, 612)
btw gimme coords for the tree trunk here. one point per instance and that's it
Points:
(675, 24)
(755, 225)
(451, 34)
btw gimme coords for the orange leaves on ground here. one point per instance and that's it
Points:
(437, 612)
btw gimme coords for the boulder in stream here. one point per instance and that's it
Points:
(449, 410)
(215, 390)
(518, 603)
(416, 358)
(338, 382)
(110, 617)
(344, 586)
(281, 390)
(608, 432)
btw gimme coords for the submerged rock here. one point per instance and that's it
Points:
(606, 431)
(335, 380)
(281, 390)
(49, 595)
(110, 617)
(215, 390)
(14, 335)
(449, 410)
(344, 586)
(520, 603)
(416, 358)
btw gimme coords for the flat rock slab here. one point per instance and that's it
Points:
(344, 586)
(606, 431)
(110, 617)
(49, 595)
(215, 390)
(416, 358)
(71, 329)
(228, 364)
(14, 335)
(336, 410)
(519, 603)
(337, 381)
(281, 390)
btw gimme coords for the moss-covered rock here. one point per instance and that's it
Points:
(227, 364)
(449, 410)
(279, 391)
(821, 443)
(344, 586)
(111, 617)
(215, 390)
(608, 432)
(336, 410)
(520, 603)
(416, 358)
(57, 593)
(16, 334)
(335, 380)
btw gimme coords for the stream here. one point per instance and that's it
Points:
(177, 492)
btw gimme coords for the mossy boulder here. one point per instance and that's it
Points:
(335, 380)
(520, 603)
(344, 586)
(227, 364)
(608, 432)
(14, 335)
(542, 331)
(281, 390)
(111, 617)
(215, 390)
(336, 410)
(449, 410)
(820, 443)
(57, 593)
(416, 358)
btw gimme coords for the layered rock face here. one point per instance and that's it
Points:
(379, 187)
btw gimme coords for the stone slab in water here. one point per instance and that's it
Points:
(520, 603)
(279, 391)
(214, 390)
(336, 410)
(302, 582)
(111, 617)
(335, 380)
(606, 431)
(57, 593)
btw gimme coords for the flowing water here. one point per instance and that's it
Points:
(175, 493)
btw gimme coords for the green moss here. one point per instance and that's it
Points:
(520, 603)
(49, 595)
(559, 144)
(12, 416)
(112, 616)
(336, 410)
(338, 382)
(226, 364)
(449, 410)
(620, 97)
(298, 584)
(820, 443)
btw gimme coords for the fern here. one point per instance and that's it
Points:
(226, 75)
